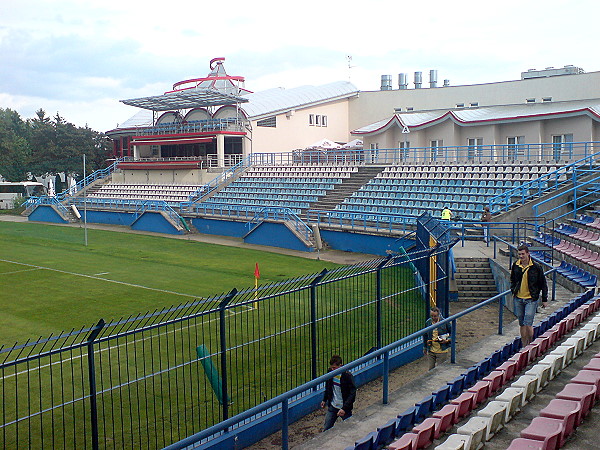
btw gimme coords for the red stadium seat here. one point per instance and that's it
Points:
(496, 379)
(544, 429)
(408, 441)
(588, 377)
(568, 411)
(584, 393)
(482, 390)
(465, 402)
(526, 444)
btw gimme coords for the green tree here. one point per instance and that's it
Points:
(15, 151)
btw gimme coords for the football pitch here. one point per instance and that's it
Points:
(50, 282)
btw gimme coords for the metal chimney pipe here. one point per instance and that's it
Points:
(402, 81)
(386, 83)
(418, 80)
(433, 74)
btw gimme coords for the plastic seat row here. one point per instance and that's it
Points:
(567, 410)
(464, 393)
(577, 275)
(578, 233)
(450, 182)
(497, 412)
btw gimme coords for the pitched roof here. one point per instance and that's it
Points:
(278, 100)
(488, 114)
(270, 102)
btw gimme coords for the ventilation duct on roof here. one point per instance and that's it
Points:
(386, 82)
(433, 75)
(402, 81)
(418, 80)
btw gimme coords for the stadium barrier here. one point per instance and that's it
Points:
(149, 380)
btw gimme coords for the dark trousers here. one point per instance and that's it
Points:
(331, 416)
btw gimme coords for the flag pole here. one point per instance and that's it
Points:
(256, 277)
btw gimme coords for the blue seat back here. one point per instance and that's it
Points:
(441, 396)
(456, 386)
(471, 376)
(406, 420)
(424, 408)
(385, 434)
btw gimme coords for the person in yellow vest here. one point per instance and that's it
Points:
(436, 342)
(446, 213)
(528, 284)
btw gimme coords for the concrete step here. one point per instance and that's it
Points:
(476, 282)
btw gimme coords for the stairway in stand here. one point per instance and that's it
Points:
(474, 279)
(347, 188)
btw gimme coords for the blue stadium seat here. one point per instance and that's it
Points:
(424, 408)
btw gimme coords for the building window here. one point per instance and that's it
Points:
(474, 104)
(562, 146)
(530, 100)
(460, 105)
(311, 120)
(374, 145)
(516, 148)
(410, 108)
(474, 148)
(323, 121)
(268, 122)
(547, 99)
(437, 150)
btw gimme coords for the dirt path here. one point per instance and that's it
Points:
(470, 329)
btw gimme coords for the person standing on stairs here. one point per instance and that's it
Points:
(528, 284)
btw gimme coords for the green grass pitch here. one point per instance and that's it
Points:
(50, 281)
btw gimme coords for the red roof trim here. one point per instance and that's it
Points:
(157, 165)
(387, 124)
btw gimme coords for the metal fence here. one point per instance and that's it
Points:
(150, 380)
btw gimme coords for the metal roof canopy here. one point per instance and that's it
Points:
(185, 99)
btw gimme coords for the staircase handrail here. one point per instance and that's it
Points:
(217, 182)
(280, 214)
(32, 202)
(534, 188)
(574, 190)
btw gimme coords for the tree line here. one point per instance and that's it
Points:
(47, 145)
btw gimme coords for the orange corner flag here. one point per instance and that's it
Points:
(256, 272)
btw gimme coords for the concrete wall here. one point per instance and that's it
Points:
(154, 221)
(293, 130)
(537, 130)
(363, 243)
(373, 106)
(45, 213)
(179, 176)
(276, 235)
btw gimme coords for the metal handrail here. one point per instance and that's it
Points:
(217, 182)
(544, 183)
(282, 400)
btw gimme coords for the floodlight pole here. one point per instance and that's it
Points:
(85, 234)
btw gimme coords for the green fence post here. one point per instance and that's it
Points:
(313, 322)
(92, 380)
(223, 343)
(378, 302)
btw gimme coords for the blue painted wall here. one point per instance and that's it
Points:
(276, 235)
(220, 227)
(155, 222)
(363, 243)
(45, 213)
(109, 217)
(253, 432)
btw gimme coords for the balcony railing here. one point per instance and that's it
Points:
(194, 126)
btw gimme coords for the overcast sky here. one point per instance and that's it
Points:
(79, 58)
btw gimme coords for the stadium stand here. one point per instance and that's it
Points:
(566, 412)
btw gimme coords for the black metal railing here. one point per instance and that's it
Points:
(154, 379)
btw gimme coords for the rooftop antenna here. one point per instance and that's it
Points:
(350, 66)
